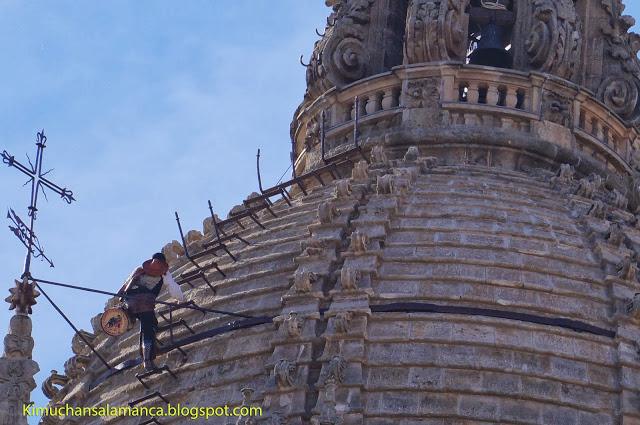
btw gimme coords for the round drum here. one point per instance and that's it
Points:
(115, 321)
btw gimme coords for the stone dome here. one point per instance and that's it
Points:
(458, 244)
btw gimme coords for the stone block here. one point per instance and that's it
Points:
(557, 415)
(478, 408)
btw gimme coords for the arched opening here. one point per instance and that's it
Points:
(490, 29)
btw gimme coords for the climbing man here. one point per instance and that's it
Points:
(140, 292)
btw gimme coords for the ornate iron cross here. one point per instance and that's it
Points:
(38, 182)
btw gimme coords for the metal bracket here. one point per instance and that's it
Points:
(151, 396)
(141, 376)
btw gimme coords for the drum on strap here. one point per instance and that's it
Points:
(116, 321)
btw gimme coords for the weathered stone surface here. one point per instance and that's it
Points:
(479, 266)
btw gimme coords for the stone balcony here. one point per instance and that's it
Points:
(549, 113)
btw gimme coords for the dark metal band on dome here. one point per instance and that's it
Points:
(408, 307)
(412, 307)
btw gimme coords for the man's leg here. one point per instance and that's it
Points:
(148, 334)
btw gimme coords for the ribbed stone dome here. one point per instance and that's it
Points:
(458, 245)
(437, 294)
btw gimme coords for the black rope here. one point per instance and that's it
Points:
(192, 307)
(72, 325)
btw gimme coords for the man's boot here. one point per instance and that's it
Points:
(147, 349)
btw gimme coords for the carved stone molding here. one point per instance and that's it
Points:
(49, 386)
(554, 38)
(284, 373)
(619, 88)
(557, 108)
(303, 282)
(16, 371)
(173, 251)
(423, 93)
(360, 170)
(436, 31)
(327, 211)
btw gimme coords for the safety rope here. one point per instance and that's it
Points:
(64, 316)
(98, 291)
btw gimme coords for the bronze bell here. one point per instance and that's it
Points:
(491, 50)
(494, 21)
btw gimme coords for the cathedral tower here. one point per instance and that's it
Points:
(458, 244)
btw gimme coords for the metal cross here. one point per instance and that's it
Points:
(38, 184)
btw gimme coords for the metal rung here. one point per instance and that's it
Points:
(236, 218)
(238, 324)
(149, 397)
(180, 306)
(215, 246)
(141, 376)
(199, 274)
(150, 421)
(180, 322)
(224, 239)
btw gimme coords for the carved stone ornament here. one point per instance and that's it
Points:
(436, 31)
(379, 155)
(633, 307)
(327, 211)
(627, 269)
(172, 251)
(385, 184)
(412, 154)
(194, 236)
(588, 187)
(207, 225)
(18, 343)
(349, 279)
(598, 210)
(341, 322)
(284, 373)
(49, 385)
(564, 178)
(78, 346)
(312, 134)
(76, 366)
(620, 93)
(247, 395)
(16, 370)
(303, 282)
(23, 296)
(359, 242)
(615, 235)
(343, 189)
(345, 56)
(422, 94)
(428, 163)
(292, 326)
(360, 170)
(620, 86)
(312, 248)
(557, 109)
(553, 44)
(619, 200)
(333, 372)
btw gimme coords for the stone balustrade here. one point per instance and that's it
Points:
(535, 104)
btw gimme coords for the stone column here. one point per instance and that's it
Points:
(16, 367)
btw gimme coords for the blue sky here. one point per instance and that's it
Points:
(149, 107)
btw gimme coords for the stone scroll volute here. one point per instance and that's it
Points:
(436, 31)
(362, 38)
(551, 37)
